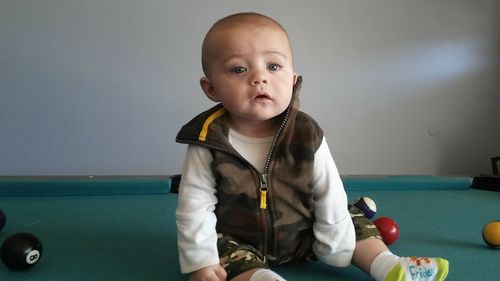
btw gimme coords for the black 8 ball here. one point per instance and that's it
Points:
(21, 251)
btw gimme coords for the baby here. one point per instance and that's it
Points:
(259, 186)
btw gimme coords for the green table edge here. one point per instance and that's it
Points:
(23, 186)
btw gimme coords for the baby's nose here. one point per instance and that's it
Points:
(259, 77)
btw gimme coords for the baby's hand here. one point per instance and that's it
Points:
(209, 273)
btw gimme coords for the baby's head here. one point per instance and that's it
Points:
(251, 21)
(248, 66)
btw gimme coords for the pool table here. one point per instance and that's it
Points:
(123, 228)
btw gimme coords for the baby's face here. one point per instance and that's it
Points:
(250, 72)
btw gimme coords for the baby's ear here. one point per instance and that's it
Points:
(208, 89)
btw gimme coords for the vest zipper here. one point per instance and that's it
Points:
(264, 188)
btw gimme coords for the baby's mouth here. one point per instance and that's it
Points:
(262, 96)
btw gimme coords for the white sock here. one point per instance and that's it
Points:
(389, 267)
(382, 264)
(266, 275)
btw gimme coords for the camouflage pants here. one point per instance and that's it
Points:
(237, 257)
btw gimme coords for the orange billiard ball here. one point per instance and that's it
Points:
(491, 234)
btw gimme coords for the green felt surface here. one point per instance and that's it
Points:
(83, 185)
(406, 182)
(132, 237)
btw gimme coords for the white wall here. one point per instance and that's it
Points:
(96, 87)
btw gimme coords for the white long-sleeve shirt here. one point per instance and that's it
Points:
(196, 235)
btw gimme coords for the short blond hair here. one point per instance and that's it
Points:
(239, 19)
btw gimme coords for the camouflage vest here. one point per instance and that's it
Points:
(272, 211)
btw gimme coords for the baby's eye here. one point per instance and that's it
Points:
(273, 67)
(239, 69)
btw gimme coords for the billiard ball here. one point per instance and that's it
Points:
(3, 219)
(388, 229)
(367, 206)
(491, 234)
(21, 251)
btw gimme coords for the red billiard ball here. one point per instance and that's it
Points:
(388, 229)
(21, 251)
(3, 219)
(367, 206)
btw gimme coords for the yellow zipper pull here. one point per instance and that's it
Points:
(263, 191)
(263, 195)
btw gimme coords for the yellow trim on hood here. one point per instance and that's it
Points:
(210, 119)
